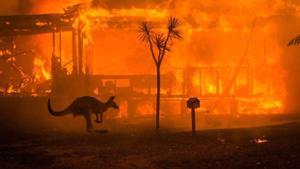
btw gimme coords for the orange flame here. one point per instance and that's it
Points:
(40, 72)
(210, 38)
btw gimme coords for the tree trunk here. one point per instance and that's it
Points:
(157, 97)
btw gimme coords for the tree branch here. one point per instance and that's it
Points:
(164, 49)
(152, 51)
(145, 30)
(172, 33)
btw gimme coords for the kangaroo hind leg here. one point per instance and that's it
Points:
(89, 125)
(97, 118)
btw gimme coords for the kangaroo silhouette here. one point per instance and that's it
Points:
(86, 106)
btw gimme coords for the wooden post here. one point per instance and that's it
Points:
(53, 61)
(53, 66)
(74, 53)
(217, 80)
(60, 47)
(193, 121)
(80, 51)
(87, 62)
(200, 80)
(193, 103)
(53, 43)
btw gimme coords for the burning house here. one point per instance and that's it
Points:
(91, 48)
(99, 84)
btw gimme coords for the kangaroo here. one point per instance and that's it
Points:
(85, 106)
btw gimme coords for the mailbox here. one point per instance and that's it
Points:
(193, 103)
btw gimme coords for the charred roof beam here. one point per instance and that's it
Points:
(34, 24)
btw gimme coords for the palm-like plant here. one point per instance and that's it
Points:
(295, 41)
(159, 45)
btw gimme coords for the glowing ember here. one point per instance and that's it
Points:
(260, 141)
(11, 90)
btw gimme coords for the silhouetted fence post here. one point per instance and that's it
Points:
(193, 103)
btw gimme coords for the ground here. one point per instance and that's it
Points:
(222, 148)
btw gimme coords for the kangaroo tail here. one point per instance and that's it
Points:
(60, 113)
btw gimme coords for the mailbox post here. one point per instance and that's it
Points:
(193, 103)
(193, 121)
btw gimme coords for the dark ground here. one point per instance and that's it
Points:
(223, 148)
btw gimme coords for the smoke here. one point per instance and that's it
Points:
(288, 28)
(215, 33)
(277, 22)
(8, 7)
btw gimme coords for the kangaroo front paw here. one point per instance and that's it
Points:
(98, 121)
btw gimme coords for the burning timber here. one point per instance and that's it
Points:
(135, 92)
(218, 80)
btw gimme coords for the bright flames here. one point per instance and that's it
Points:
(40, 72)
(212, 38)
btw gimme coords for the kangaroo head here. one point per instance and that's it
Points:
(111, 103)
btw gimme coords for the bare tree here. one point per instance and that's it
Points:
(159, 44)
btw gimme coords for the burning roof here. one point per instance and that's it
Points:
(217, 34)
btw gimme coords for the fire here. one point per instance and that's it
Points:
(211, 89)
(123, 110)
(269, 104)
(146, 109)
(11, 90)
(90, 19)
(40, 72)
(216, 40)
